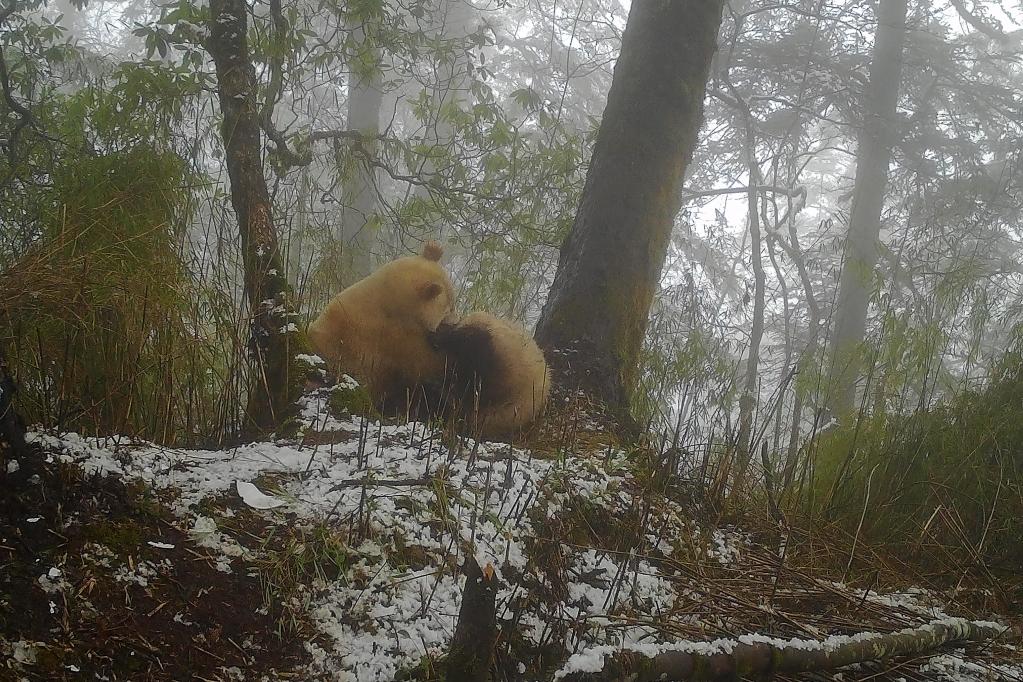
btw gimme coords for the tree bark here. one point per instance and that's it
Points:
(748, 396)
(365, 99)
(450, 25)
(610, 264)
(873, 156)
(808, 357)
(760, 660)
(12, 428)
(472, 646)
(274, 340)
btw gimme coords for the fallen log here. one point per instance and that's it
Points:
(758, 656)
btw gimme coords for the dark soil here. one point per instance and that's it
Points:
(184, 620)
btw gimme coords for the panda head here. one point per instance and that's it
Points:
(421, 289)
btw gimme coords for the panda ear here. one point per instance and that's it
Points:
(432, 251)
(429, 290)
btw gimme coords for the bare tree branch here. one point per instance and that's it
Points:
(991, 31)
(320, 135)
(761, 189)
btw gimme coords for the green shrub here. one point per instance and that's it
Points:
(948, 479)
(102, 322)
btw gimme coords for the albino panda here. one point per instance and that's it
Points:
(378, 329)
(496, 372)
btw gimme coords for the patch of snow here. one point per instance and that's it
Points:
(955, 668)
(53, 581)
(255, 498)
(203, 526)
(141, 572)
(21, 651)
(98, 555)
(726, 546)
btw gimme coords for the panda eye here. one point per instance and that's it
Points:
(429, 290)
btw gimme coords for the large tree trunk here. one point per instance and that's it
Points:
(611, 262)
(365, 99)
(273, 343)
(873, 155)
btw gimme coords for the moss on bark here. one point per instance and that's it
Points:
(610, 264)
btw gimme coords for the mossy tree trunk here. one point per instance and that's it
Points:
(274, 335)
(610, 265)
(873, 155)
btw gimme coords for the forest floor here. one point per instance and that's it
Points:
(335, 555)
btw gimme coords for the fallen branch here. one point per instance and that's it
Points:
(370, 482)
(757, 656)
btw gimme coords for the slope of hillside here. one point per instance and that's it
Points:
(335, 555)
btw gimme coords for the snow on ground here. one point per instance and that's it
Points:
(413, 503)
(954, 666)
(409, 509)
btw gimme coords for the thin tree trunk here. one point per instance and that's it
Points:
(809, 355)
(454, 21)
(610, 265)
(786, 365)
(873, 156)
(761, 660)
(12, 428)
(748, 396)
(365, 100)
(273, 343)
(472, 646)
(792, 451)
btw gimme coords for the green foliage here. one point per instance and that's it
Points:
(96, 339)
(684, 362)
(107, 329)
(349, 398)
(949, 479)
